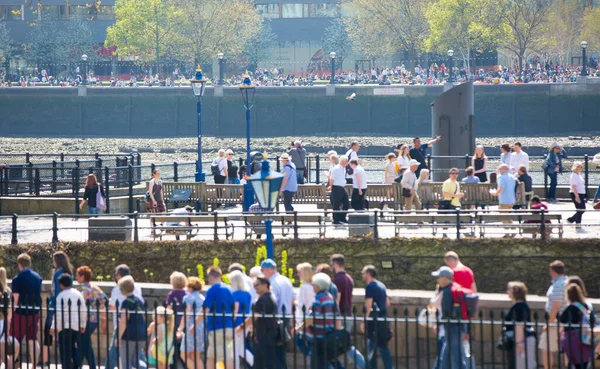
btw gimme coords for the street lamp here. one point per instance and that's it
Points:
(450, 66)
(583, 59)
(332, 56)
(266, 185)
(248, 90)
(198, 85)
(84, 58)
(220, 56)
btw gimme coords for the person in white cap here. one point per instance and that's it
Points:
(289, 185)
(410, 185)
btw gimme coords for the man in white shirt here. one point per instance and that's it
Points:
(116, 300)
(359, 186)
(409, 182)
(518, 158)
(69, 321)
(351, 154)
(337, 186)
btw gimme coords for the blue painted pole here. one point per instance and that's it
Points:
(269, 230)
(248, 190)
(200, 177)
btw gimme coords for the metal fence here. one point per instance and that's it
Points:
(27, 157)
(454, 224)
(310, 337)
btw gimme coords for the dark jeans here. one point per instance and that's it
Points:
(348, 180)
(68, 340)
(358, 201)
(219, 179)
(300, 175)
(287, 200)
(576, 218)
(263, 353)
(553, 183)
(339, 198)
(87, 349)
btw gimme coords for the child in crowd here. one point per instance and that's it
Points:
(538, 206)
(160, 331)
(391, 172)
(525, 178)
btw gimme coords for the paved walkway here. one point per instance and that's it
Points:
(32, 229)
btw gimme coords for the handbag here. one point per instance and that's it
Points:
(100, 200)
(406, 192)
(506, 341)
(447, 204)
(334, 344)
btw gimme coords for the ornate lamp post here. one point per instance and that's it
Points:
(248, 90)
(266, 184)
(221, 62)
(450, 65)
(332, 56)
(198, 85)
(84, 59)
(584, 72)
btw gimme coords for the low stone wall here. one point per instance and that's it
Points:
(494, 261)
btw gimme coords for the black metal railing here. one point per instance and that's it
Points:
(317, 336)
(298, 224)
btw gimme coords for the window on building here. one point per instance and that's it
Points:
(347, 10)
(106, 12)
(268, 11)
(327, 10)
(56, 12)
(309, 11)
(79, 11)
(291, 11)
(11, 12)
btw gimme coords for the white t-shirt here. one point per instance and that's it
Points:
(578, 182)
(338, 175)
(177, 212)
(352, 155)
(516, 160)
(117, 298)
(359, 172)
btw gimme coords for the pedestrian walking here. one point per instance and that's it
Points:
(337, 186)
(463, 275)
(410, 186)
(155, 191)
(359, 186)
(94, 298)
(377, 331)
(577, 349)
(192, 335)
(518, 335)
(131, 328)
(403, 156)
(506, 189)
(391, 170)
(577, 193)
(556, 300)
(90, 195)
(242, 310)
(419, 152)
(306, 294)
(161, 337)
(552, 166)
(479, 163)
(232, 169)
(289, 184)
(298, 157)
(351, 154)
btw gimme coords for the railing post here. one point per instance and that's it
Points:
(317, 169)
(429, 163)
(55, 228)
(27, 157)
(175, 172)
(241, 160)
(54, 176)
(278, 164)
(458, 223)
(76, 187)
(138, 159)
(96, 156)
(37, 182)
(107, 188)
(467, 161)
(30, 177)
(130, 184)
(543, 225)
(136, 236)
(62, 165)
(99, 163)
(215, 226)
(587, 172)
(546, 180)
(14, 240)
(295, 225)
(375, 225)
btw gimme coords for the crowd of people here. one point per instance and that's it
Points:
(434, 74)
(249, 318)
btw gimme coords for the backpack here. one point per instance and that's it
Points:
(214, 168)
(466, 300)
(586, 327)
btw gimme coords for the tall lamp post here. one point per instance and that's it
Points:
(221, 61)
(266, 185)
(84, 59)
(248, 91)
(198, 85)
(450, 66)
(584, 72)
(332, 56)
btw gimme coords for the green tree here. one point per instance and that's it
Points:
(146, 28)
(384, 27)
(560, 35)
(42, 42)
(6, 42)
(211, 26)
(464, 25)
(591, 28)
(258, 48)
(75, 40)
(335, 38)
(525, 20)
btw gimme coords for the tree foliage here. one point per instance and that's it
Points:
(384, 27)
(43, 41)
(560, 34)
(75, 40)
(6, 42)
(591, 28)
(464, 25)
(147, 28)
(335, 38)
(258, 48)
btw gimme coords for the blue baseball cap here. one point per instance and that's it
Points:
(268, 263)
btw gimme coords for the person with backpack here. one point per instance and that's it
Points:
(452, 335)
(577, 342)
(218, 168)
(297, 154)
(289, 185)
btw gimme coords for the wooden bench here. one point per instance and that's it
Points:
(377, 196)
(475, 194)
(222, 194)
(522, 219)
(434, 220)
(188, 226)
(197, 195)
(255, 223)
(311, 194)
